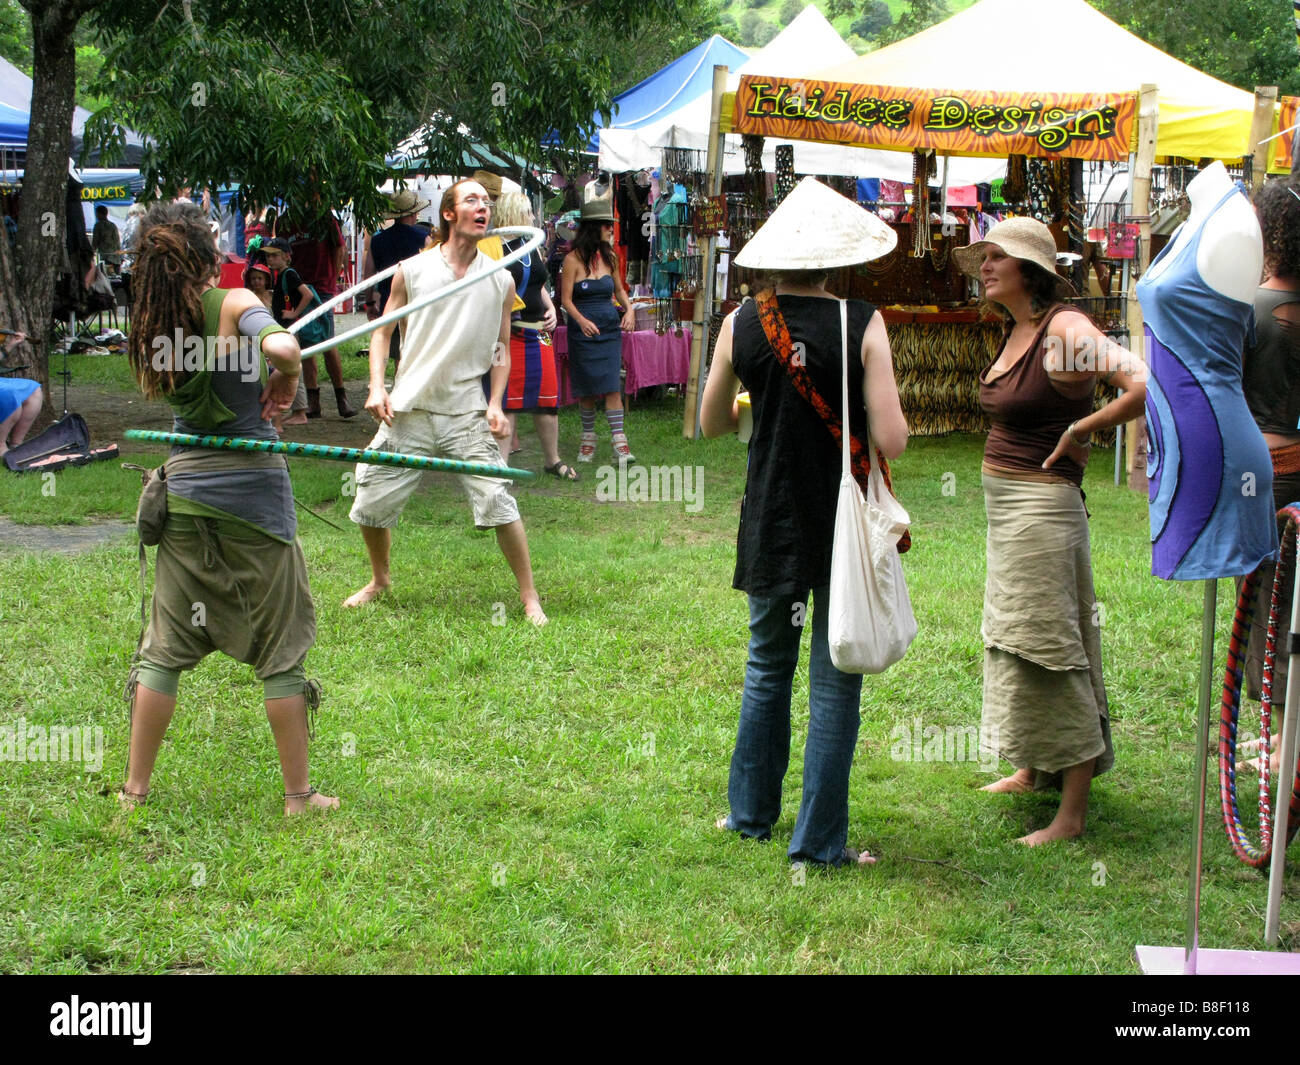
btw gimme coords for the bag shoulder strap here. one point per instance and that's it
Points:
(860, 457)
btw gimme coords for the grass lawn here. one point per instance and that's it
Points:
(527, 800)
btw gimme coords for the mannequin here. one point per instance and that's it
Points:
(1230, 258)
(1210, 475)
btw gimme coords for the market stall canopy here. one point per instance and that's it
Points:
(1054, 47)
(16, 93)
(800, 50)
(13, 127)
(684, 79)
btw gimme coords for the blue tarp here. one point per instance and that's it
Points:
(667, 89)
(13, 126)
(16, 93)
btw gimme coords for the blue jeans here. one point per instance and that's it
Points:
(763, 740)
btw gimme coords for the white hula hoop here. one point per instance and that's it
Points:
(534, 241)
(333, 301)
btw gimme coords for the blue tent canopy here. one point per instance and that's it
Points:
(680, 82)
(668, 88)
(13, 127)
(16, 94)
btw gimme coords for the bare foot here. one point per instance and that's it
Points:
(1020, 781)
(533, 610)
(369, 593)
(862, 857)
(721, 822)
(1058, 829)
(315, 801)
(131, 800)
(1256, 765)
(300, 418)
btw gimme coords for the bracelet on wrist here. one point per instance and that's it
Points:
(1075, 440)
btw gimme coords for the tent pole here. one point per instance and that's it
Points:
(703, 314)
(1140, 199)
(1286, 779)
(1261, 123)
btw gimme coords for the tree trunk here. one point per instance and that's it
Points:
(43, 209)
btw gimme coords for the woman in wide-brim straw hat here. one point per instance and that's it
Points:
(1045, 707)
(785, 348)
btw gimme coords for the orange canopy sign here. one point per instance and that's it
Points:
(1073, 125)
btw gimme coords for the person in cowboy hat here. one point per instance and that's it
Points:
(391, 245)
(785, 348)
(1045, 707)
(590, 287)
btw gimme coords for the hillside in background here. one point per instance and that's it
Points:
(752, 23)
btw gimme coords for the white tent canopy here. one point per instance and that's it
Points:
(804, 47)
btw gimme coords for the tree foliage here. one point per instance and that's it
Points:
(874, 18)
(755, 31)
(918, 15)
(635, 58)
(15, 36)
(1245, 43)
(303, 98)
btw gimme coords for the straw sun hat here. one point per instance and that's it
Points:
(404, 202)
(1020, 238)
(816, 228)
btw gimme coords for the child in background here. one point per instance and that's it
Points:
(257, 279)
(290, 299)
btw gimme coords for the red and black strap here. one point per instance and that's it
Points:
(778, 335)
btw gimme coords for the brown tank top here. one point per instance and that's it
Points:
(1028, 414)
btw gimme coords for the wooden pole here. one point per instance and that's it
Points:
(703, 314)
(1261, 125)
(1143, 159)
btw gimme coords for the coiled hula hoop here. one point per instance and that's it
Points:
(1256, 857)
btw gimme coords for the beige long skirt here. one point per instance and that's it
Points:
(1044, 697)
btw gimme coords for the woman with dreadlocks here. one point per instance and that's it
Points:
(230, 574)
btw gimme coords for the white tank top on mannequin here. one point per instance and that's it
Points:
(1230, 258)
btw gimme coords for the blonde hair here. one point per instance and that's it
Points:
(512, 209)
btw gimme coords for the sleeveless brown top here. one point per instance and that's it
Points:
(1028, 413)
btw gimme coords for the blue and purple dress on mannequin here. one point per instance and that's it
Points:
(1211, 478)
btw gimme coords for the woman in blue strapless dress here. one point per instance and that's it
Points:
(589, 288)
(20, 402)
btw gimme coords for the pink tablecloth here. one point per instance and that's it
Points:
(648, 358)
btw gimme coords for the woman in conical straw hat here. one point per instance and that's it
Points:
(1045, 706)
(785, 348)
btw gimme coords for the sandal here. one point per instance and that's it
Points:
(130, 800)
(562, 471)
(587, 449)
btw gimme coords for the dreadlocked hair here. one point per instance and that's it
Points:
(177, 256)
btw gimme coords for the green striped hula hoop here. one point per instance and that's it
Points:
(333, 454)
